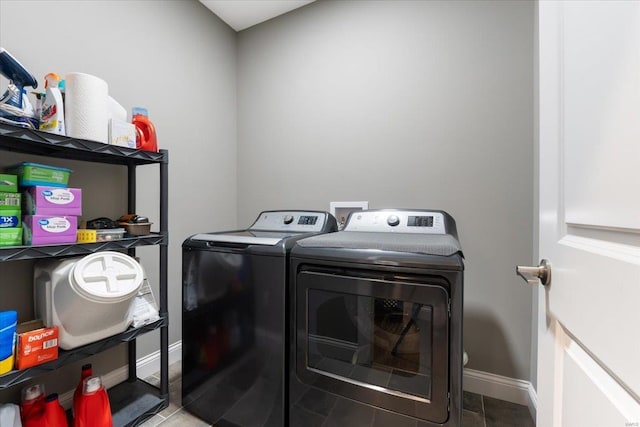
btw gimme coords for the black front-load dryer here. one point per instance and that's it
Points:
(376, 331)
(233, 318)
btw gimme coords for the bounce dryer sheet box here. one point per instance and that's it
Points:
(44, 200)
(36, 344)
(9, 200)
(8, 183)
(49, 229)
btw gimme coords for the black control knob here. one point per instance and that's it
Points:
(393, 220)
(288, 219)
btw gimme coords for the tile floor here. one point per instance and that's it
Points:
(479, 411)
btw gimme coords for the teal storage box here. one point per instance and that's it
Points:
(8, 183)
(10, 236)
(9, 201)
(30, 174)
(10, 218)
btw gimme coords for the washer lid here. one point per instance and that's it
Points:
(107, 277)
(265, 238)
(427, 244)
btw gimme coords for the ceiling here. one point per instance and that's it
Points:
(242, 14)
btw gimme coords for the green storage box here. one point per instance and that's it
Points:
(8, 183)
(10, 218)
(10, 236)
(30, 174)
(9, 201)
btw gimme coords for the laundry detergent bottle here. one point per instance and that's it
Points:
(32, 406)
(92, 409)
(54, 415)
(52, 113)
(146, 139)
(85, 373)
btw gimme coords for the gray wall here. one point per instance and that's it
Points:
(404, 104)
(175, 58)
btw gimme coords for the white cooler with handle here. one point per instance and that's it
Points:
(88, 298)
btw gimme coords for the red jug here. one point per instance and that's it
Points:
(92, 408)
(84, 374)
(54, 415)
(146, 139)
(32, 407)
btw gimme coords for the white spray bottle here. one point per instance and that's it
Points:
(52, 114)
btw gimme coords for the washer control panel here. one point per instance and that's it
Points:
(397, 221)
(294, 221)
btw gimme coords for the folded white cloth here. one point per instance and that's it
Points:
(10, 415)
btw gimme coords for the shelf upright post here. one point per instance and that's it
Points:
(131, 183)
(131, 208)
(164, 261)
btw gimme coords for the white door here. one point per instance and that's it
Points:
(589, 133)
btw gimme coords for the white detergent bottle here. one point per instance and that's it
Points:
(52, 113)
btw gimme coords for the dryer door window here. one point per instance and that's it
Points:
(381, 342)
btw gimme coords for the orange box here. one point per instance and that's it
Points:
(37, 344)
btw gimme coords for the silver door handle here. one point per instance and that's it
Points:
(532, 274)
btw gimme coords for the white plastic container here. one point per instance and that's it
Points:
(88, 298)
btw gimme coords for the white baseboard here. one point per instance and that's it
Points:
(533, 402)
(500, 387)
(150, 364)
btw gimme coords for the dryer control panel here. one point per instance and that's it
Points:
(294, 221)
(397, 221)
